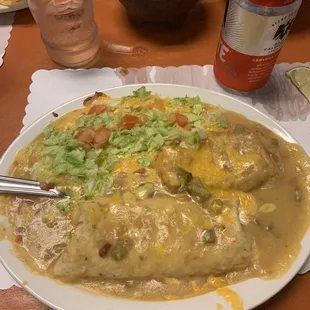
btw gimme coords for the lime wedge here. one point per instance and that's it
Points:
(300, 77)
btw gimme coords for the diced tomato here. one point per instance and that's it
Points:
(140, 171)
(173, 117)
(86, 135)
(129, 121)
(102, 136)
(46, 186)
(187, 127)
(87, 146)
(181, 119)
(98, 109)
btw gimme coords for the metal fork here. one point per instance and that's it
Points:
(10, 185)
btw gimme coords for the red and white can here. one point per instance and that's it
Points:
(252, 36)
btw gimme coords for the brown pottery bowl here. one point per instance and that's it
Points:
(171, 11)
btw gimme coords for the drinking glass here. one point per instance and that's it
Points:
(68, 30)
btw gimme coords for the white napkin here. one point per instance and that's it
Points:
(6, 21)
(279, 98)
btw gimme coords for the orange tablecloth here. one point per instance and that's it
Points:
(194, 43)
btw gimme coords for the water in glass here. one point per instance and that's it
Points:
(67, 29)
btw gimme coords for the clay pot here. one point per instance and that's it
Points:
(171, 11)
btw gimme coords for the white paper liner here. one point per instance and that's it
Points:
(6, 21)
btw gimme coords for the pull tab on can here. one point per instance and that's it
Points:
(252, 36)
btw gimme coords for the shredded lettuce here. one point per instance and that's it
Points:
(63, 208)
(141, 93)
(70, 162)
(64, 157)
(149, 137)
(155, 115)
(98, 186)
(49, 131)
(194, 103)
(197, 108)
(189, 101)
(94, 121)
(222, 123)
(145, 160)
(192, 118)
(213, 116)
(54, 136)
(192, 140)
(107, 163)
(200, 125)
(65, 160)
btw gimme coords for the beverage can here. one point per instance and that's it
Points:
(252, 36)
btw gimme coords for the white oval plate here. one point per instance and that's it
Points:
(58, 296)
(13, 8)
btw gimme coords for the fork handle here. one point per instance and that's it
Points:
(10, 185)
(6, 179)
(29, 191)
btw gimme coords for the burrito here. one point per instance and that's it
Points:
(154, 238)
